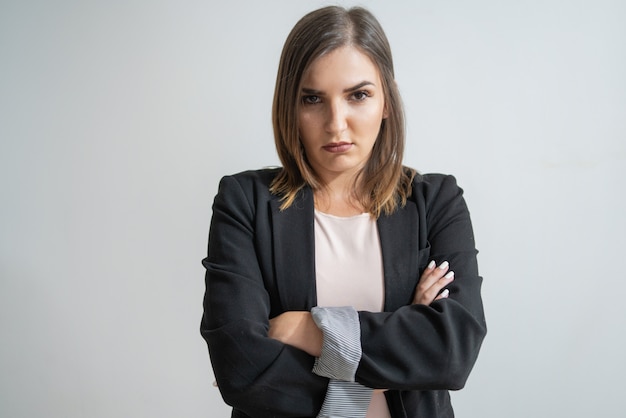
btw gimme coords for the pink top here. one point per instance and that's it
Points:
(349, 272)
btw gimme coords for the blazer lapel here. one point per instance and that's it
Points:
(294, 252)
(398, 239)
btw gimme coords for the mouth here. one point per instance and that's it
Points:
(337, 147)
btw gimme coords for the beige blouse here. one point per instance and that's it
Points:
(349, 272)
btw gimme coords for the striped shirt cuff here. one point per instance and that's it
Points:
(341, 348)
(345, 400)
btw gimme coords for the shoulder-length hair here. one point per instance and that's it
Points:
(383, 182)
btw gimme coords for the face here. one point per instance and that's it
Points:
(341, 110)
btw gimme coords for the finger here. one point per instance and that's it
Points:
(444, 266)
(431, 265)
(443, 295)
(430, 268)
(436, 273)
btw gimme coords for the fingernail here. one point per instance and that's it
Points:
(431, 264)
(445, 293)
(449, 275)
(444, 265)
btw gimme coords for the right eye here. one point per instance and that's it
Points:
(311, 99)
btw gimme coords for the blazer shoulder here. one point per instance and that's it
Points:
(431, 186)
(255, 182)
(262, 177)
(245, 189)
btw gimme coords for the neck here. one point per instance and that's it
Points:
(339, 196)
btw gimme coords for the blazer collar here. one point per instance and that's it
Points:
(399, 244)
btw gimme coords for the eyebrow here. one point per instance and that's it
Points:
(348, 90)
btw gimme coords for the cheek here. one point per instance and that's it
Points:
(309, 125)
(306, 132)
(369, 122)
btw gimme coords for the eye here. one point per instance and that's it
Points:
(311, 99)
(361, 95)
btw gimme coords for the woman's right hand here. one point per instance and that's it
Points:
(433, 281)
(297, 329)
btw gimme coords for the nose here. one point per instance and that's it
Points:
(336, 118)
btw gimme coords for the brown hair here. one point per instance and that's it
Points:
(384, 181)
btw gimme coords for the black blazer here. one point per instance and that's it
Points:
(261, 263)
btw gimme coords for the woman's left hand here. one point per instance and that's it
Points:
(433, 281)
(297, 328)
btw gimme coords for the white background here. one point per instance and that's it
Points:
(117, 119)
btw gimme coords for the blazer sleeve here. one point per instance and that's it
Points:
(419, 347)
(255, 374)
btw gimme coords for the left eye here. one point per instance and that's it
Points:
(360, 95)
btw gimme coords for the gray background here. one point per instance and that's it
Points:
(118, 118)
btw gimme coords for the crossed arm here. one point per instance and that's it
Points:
(297, 328)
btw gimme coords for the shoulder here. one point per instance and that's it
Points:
(248, 182)
(246, 189)
(440, 201)
(434, 186)
(253, 178)
(438, 196)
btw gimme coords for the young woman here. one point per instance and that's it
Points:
(342, 284)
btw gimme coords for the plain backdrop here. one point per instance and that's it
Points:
(117, 119)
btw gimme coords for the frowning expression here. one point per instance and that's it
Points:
(341, 110)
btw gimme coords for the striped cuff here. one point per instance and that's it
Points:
(341, 348)
(345, 400)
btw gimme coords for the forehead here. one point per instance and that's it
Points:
(344, 65)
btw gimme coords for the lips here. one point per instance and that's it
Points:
(337, 147)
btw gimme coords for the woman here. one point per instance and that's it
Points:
(330, 289)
